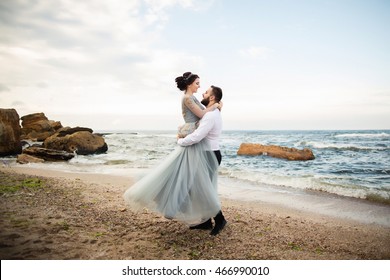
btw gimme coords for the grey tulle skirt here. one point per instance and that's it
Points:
(182, 187)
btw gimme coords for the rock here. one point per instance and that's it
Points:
(275, 151)
(79, 140)
(37, 127)
(48, 154)
(9, 133)
(25, 158)
(70, 130)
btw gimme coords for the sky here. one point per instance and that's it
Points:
(282, 64)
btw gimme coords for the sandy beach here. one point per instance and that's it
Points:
(52, 215)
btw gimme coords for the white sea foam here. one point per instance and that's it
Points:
(363, 135)
(341, 146)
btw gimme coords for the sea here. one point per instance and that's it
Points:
(350, 163)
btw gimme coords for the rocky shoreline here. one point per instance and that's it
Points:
(38, 139)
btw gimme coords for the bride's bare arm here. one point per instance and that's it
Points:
(195, 108)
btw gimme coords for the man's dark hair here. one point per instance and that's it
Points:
(217, 92)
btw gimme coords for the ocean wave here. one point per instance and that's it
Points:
(363, 135)
(85, 160)
(364, 171)
(341, 146)
(117, 162)
(314, 183)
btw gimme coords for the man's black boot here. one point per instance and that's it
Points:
(220, 223)
(206, 225)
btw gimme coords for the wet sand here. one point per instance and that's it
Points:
(63, 215)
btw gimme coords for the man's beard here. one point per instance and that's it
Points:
(205, 101)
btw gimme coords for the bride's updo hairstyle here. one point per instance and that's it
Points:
(185, 80)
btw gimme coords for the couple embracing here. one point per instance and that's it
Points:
(184, 185)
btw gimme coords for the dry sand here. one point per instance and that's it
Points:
(59, 215)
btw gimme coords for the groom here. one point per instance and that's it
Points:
(210, 127)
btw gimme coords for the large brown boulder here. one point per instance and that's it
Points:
(275, 151)
(9, 133)
(80, 140)
(38, 127)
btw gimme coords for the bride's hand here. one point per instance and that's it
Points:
(220, 105)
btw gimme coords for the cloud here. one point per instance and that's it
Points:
(67, 54)
(261, 53)
(76, 31)
(85, 36)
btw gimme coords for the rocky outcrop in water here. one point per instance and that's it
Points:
(48, 154)
(251, 149)
(79, 139)
(9, 133)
